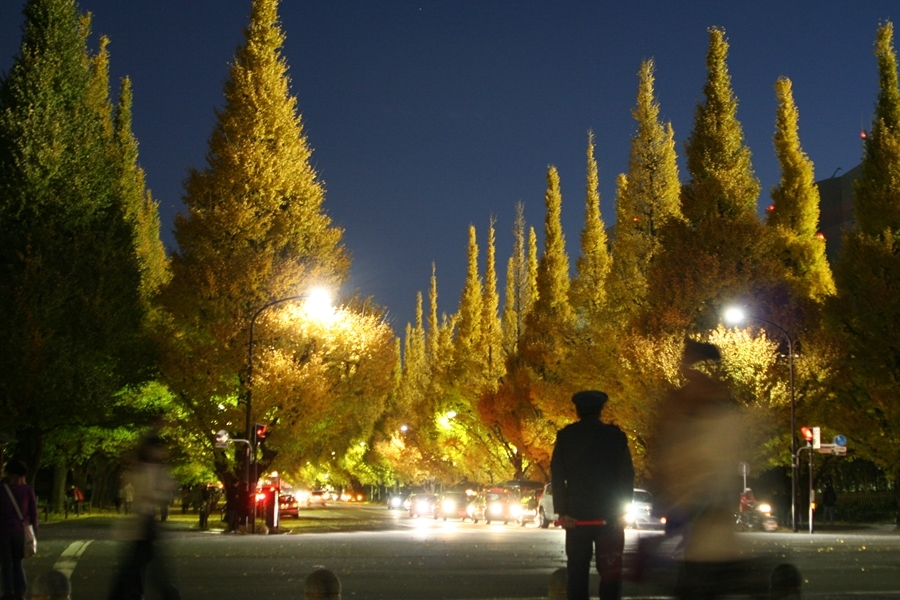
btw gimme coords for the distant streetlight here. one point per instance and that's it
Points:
(317, 301)
(736, 316)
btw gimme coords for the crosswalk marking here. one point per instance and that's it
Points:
(69, 558)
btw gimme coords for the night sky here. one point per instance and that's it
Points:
(426, 117)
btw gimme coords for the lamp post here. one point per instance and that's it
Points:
(251, 447)
(735, 316)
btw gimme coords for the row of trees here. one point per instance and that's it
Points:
(681, 254)
(107, 335)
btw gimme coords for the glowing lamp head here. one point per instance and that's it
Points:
(734, 316)
(318, 305)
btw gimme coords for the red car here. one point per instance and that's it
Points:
(451, 505)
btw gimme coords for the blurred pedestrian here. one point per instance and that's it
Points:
(128, 497)
(695, 461)
(18, 508)
(593, 481)
(829, 500)
(143, 563)
(186, 493)
(77, 499)
(204, 506)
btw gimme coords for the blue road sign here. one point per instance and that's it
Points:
(840, 440)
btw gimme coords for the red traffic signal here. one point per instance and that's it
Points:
(260, 431)
(807, 433)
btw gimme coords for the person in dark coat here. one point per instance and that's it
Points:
(12, 533)
(593, 484)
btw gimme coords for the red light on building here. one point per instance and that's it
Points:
(863, 135)
(770, 208)
(635, 219)
(820, 235)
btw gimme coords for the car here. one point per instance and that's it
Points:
(522, 487)
(288, 506)
(396, 502)
(493, 505)
(316, 498)
(421, 505)
(640, 514)
(528, 507)
(451, 505)
(546, 514)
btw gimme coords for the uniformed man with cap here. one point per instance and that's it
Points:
(593, 484)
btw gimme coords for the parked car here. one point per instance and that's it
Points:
(288, 506)
(451, 505)
(421, 505)
(546, 514)
(493, 505)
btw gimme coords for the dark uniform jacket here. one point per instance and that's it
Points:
(591, 471)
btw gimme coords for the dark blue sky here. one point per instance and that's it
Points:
(427, 116)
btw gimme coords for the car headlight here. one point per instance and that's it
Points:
(630, 513)
(515, 510)
(496, 509)
(449, 506)
(396, 502)
(766, 508)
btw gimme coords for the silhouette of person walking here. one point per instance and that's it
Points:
(152, 485)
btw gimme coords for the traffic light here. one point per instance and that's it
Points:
(259, 432)
(807, 433)
(812, 435)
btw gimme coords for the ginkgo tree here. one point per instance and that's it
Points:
(255, 231)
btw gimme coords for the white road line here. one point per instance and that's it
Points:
(69, 558)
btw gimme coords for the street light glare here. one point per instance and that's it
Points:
(318, 304)
(734, 315)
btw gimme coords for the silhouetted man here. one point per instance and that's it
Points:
(593, 484)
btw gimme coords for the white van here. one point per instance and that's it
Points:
(546, 515)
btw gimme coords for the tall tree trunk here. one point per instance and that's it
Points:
(58, 491)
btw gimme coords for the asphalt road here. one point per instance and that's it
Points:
(378, 553)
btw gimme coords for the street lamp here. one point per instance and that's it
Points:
(318, 300)
(735, 316)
